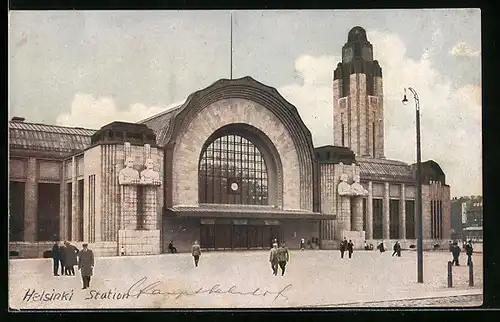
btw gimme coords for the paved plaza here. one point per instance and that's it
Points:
(244, 279)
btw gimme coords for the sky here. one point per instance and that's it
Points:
(89, 68)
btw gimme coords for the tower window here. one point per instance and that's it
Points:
(373, 135)
(342, 128)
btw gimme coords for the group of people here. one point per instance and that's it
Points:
(67, 256)
(64, 255)
(455, 251)
(278, 257)
(346, 246)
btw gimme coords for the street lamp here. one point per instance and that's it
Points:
(420, 253)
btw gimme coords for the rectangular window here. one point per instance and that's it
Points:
(394, 219)
(48, 211)
(373, 134)
(440, 219)
(410, 219)
(342, 128)
(91, 202)
(377, 219)
(80, 210)
(364, 214)
(16, 211)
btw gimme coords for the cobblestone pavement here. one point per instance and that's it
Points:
(243, 279)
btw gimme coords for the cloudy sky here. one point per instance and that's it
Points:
(90, 68)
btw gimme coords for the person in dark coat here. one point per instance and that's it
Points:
(70, 258)
(62, 258)
(55, 258)
(397, 249)
(196, 252)
(381, 247)
(86, 265)
(468, 251)
(456, 253)
(343, 247)
(350, 248)
(283, 257)
(171, 247)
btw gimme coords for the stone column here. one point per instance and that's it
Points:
(386, 223)
(74, 202)
(369, 212)
(343, 215)
(402, 212)
(150, 207)
(129, 207)
(62, 202)
(31, 202)
(358, 213)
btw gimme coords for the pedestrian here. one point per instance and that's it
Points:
(468, 251)
(56, 258)
(62, 258)
(302, 244)
(196, 251)
(397, 249)
(381, 247)
(86, 265)
(343, 247)
(350, 248)
(283, 257)
(171, 247)
(122, 251)
(456, 253)
(273, 259)
(70, 258)
(366, 246)
(274, 241)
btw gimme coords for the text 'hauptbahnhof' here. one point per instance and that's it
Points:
(234, 167)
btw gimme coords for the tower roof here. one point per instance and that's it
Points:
(357, 34)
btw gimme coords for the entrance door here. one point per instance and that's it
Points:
(240, 236)
(207, 236)
(223, 236)
(255, 236)
(276, 233)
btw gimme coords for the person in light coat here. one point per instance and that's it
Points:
(86, 265)
(273, 259)
(196, 252)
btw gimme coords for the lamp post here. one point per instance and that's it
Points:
(420, 254)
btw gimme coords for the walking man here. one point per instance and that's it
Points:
(456, 253)
(302, 244)
(86, 265)
(350, 248)
(56, 258)
(283, 257)
(468, 251)
(196, 251)
(273, 259)
(343, 247)
(397, 249)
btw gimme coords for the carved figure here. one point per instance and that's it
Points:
(357, 189)
(149, 175)
(344, 189)
(128, 174)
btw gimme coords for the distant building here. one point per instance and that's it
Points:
(233, 167)
(466, 212)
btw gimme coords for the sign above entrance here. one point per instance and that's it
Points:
(271, 222)
(240, 222)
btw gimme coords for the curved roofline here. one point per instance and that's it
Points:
(52, 125)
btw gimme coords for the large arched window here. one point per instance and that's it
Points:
(232, 171)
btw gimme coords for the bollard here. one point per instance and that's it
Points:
(471, 274)
(450, 269)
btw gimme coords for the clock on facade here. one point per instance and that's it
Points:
(234, 186)
(348, 53)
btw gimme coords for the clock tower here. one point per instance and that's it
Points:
(358, 114)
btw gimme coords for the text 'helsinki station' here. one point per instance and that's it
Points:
(233, 167)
